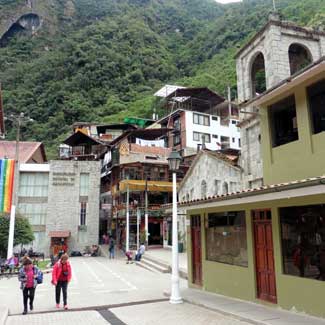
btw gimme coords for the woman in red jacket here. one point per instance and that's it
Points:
(61, 276)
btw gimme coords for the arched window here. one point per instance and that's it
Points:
(187, 197)
(203, 189)
(225, 188)
(299, 57)
(258, 79)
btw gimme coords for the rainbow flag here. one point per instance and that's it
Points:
(7, 170)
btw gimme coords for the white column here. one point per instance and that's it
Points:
(175, 297)
(11, 231)
(146, 222)
(138, 227)
(127, 246)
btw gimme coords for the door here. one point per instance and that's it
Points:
(196, 249)
(264, 256)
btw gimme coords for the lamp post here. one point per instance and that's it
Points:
(18, 120)
(174, 161)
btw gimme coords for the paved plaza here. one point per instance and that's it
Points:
(104, 291)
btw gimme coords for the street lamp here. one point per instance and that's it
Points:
(174, 161)
(18, 120)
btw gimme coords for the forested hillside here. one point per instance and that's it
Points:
(101, 60)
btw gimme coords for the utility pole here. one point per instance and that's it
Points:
(138, 227)
(146, 226)
(127, 248)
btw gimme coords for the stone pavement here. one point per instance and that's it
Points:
(165, 255)
(164, 313)
(247, 311)
(62, 318)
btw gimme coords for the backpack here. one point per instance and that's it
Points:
(39, 277)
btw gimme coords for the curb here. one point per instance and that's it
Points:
(4, 312)
(220, 311)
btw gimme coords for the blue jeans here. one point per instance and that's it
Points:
(111, 253)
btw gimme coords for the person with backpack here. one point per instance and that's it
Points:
(29, 276)
(61, 276)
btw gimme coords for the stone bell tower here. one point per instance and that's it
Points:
(279, 50)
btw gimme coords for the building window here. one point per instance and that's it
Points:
(34, 212)
(258, 78)
(234, 122)
(83, 213)
(283, 121)
(177, 139)
(239, 143)
(316, 99)
(201, 119)
(203, 189)
(214, 118)
(33, 184)
(187, 197)
(84, 184)
(299, 57)
(192, 194)
(233, 140)
(177, 123)
(216, 186)
(303, 241)
(226, 239)
(197, 136)
(215, 136)
(225, 142)
(225, 189)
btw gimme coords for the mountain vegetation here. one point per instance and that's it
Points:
(102, 60)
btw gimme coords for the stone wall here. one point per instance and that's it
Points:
(64, 201)
(210, 169)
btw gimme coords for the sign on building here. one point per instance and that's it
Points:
(7, 170)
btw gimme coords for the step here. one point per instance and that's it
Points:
(153, 265)
(148, 268)
(156, 261)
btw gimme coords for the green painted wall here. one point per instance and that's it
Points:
(300, 159)
(305, 295)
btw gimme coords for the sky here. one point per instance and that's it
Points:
(228, 1)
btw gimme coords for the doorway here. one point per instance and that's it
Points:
(264, 256)
(155, 237)
(196, 249)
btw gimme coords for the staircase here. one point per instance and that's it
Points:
(153, 265)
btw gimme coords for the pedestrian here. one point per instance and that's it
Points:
(128, 255)
(11, 263)
(28, 282)
(140, 252)
(111, 248)
(61, 276)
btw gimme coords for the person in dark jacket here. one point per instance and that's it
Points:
(61, 276)
(111, 248)
(28, 282)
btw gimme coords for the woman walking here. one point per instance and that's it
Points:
(61, 276)
(28, 282)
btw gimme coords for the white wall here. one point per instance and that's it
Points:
(214, 129)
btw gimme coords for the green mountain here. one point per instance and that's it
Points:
(101, 60)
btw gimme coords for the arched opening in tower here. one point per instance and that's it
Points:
(258, 79)
(299, 57)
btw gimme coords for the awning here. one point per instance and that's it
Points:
(59, 234)
(140, 185)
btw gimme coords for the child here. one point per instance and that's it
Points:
(128, 255)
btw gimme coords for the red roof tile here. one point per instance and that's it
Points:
(26, 150)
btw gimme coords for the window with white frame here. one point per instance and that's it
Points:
(84, 184)
(34, 212)
(201, 119)
(33, 184)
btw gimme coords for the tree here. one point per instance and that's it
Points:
(23, 232)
